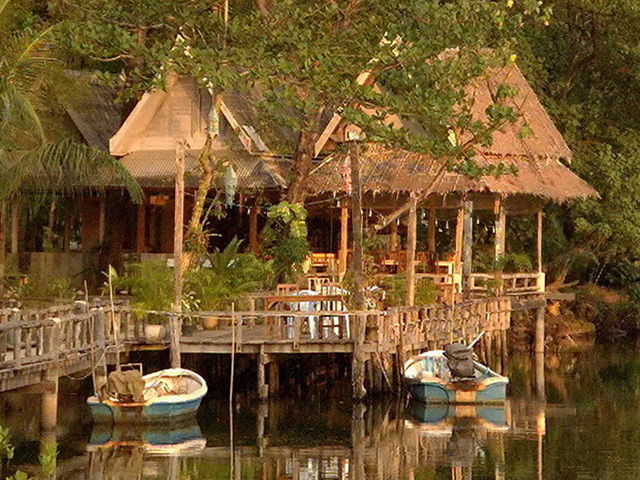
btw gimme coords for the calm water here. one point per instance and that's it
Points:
(588, 429)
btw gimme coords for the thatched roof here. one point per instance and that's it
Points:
(544, 141)
(156, 169)
(538, 157)
(386, 170)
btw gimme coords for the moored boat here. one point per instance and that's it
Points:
(167, 395)
(430, 380)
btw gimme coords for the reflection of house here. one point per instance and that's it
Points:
(146, 142)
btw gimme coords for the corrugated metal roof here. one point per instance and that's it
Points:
(156, 169)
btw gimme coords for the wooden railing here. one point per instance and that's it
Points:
(44, 336)
(507, 283)
(436, 325)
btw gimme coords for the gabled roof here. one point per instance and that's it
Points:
(96, 114)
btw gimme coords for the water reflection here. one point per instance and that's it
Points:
(587, 430)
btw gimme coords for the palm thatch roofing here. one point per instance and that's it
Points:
(538, 157)
(386, 170)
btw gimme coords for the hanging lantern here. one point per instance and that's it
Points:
(230, 183)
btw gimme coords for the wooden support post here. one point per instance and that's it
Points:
(539, 352)
(263, 388)
(411, 250)
(359, 356)
(539, 240)
(68, 218)
(102, 220)
(177, 255)
(501, 228)
(431, 233)
(99, 357)
(274, 376)
(458, 241)
(393, 236)
(15, 226)
(3, 241)
(254, 211)
(49, 410)
(141, 228)
(467, 256)
(344, 239)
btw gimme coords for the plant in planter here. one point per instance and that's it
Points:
(224, 277)
(284, 239)
(151, 285)
(395, 287)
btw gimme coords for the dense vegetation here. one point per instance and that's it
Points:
(580, 55)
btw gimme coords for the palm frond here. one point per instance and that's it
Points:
(26, 55)
(3, 5)
(16, 109)
(65, 168)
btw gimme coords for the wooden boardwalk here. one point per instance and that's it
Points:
(38, 346)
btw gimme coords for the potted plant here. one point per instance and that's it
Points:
(223, 277)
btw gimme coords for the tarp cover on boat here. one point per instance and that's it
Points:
(460, 360)
(126, 385)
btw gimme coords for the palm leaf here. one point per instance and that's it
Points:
(3, 4)
(65, 168)
(16, 109)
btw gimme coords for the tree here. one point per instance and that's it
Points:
(305, 61)
(584, 64)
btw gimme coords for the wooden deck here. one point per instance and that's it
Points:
(40, 346)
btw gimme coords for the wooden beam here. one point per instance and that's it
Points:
(141, 228)
(458, 241)
(431, 231)
(539, 240)
(501, 229)
(68, 218)
(15, 226)
(411, 250)
(467, 249)
(254, 211)
(178, 233)
(3, 233)
(393, 237)
(102, 220)
(344, 239)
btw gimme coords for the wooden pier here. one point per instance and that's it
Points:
(38, 346)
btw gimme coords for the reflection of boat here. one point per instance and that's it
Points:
(431, 381)
(167, 395)
(442, 416)
(154, 439)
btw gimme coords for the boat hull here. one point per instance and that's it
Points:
(103, 412)
(441, 392)
(159, 409)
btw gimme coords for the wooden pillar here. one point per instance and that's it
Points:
(359, 329)
(539, 352)
(458, 241)
(254, 211)
(102, 220)
(263, 388)
(393, 236)
(501, 228)
(274, 376)
(539, 240)
(141, 228)
(68, 219)
(467, 254)
(15, 226)
(431, 231)
(344, 239)
(411, 250)
(178, 233)
(3, 238)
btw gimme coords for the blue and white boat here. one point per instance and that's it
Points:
(430, 381)
(168, 395)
